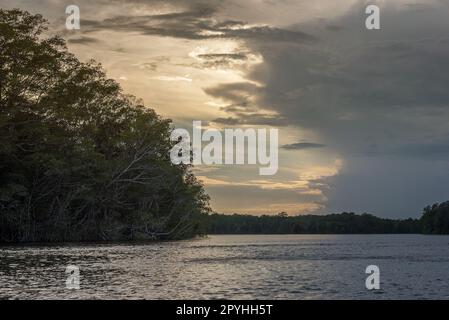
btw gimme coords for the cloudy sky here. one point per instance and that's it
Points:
(362, 114)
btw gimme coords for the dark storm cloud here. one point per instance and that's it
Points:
(228, 121)
(195, 24)
(238, 92)
(82, 40)
(433, 150)
(333, 28)
(243, 106)
(242, 110)
(220, 60)
(358, 88)
(225, 56)
(380, 98)
(303, 146)
(253, 119)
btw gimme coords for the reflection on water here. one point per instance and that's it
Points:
(233, 267)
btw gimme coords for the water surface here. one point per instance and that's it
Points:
(233, 267)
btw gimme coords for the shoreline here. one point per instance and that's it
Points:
(198, 238)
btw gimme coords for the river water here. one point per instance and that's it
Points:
(233, 267)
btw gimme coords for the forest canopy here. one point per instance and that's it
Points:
(79, 159)
(344, 223)
(434, 220)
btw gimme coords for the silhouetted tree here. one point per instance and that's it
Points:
(79, 159)
(435, 219)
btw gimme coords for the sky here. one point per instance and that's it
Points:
(362, 114)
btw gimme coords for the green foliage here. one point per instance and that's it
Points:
(435, 219)
(344, 223)
(79, 159)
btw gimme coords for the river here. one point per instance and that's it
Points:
(232, 267)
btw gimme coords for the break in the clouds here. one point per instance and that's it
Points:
(362, 114)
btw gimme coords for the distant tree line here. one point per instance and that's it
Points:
(344, 223)
(79, 159)
(434, 220)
